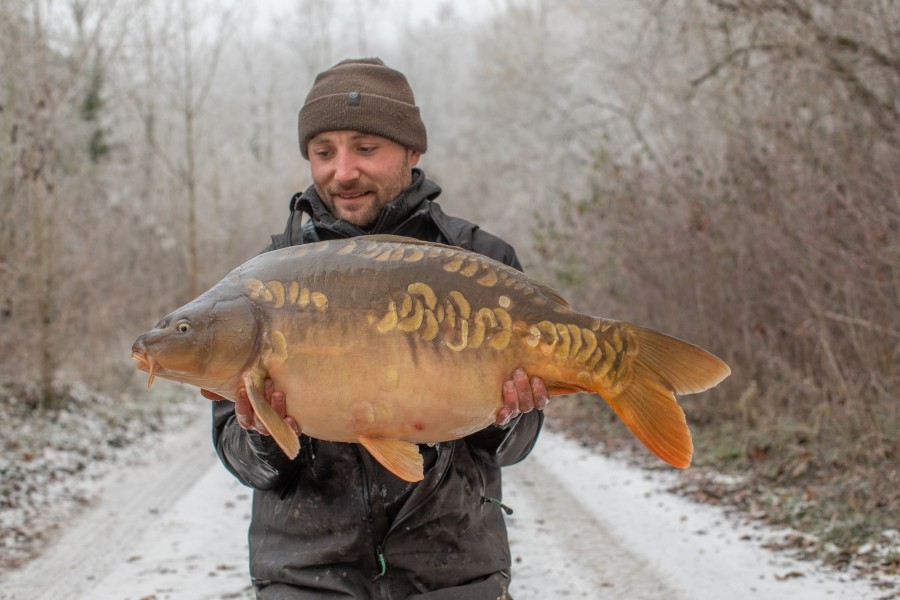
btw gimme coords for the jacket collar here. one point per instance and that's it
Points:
(393, 215)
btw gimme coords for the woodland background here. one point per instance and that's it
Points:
(727, 171)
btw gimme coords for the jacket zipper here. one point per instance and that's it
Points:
(379, 539)
(410, 509)
(375, 515)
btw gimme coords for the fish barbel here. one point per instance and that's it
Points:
(391, 342)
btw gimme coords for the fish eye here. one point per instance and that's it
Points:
(183, 327)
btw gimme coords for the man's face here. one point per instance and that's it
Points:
(357, 174)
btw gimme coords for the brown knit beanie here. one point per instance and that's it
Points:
(362, 95)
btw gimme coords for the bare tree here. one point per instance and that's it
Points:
(762, 229)
(41, 82)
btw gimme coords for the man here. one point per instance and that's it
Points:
(333, 523)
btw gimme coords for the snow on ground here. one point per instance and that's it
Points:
(197, 550)
(170, 524)
(173, 526)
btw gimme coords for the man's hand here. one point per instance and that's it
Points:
(521, 396)
(246, 416)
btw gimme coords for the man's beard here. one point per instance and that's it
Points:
(366, 216)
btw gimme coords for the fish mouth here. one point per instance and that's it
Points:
(145, 364)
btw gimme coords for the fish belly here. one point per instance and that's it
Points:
(391, 389)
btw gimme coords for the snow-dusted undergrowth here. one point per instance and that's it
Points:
(51, 459)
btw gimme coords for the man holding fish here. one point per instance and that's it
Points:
(334, 522)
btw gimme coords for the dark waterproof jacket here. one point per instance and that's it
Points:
(334, 523)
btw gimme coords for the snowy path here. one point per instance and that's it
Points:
(588, 526)
(584, 527)
(156, 532)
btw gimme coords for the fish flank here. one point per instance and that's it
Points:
(460, 327)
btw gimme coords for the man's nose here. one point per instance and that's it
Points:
(346, 168)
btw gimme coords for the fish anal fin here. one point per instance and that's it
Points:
(403, 459)
(281, 432)
(561, 389)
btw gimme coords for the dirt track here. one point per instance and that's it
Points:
(584, 527)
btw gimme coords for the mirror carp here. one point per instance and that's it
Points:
(391, 342)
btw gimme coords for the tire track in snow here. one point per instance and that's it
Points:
(590, 526)
(562, 550)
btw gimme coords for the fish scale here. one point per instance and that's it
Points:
(391, 342)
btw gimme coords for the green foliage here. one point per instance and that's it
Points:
(93, 99)
(98, 147)
(91, 111)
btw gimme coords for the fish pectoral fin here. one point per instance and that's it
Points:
(403, 459)
(282, 433)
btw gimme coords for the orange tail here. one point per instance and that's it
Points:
(664, 366)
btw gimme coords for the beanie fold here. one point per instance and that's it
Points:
(374, 115)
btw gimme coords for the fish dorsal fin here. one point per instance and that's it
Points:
(403, 459)
(550, 293)
(400, 239)
(281, 432)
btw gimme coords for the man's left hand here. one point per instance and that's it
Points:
(521, 396)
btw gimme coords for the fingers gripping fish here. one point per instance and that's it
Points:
(391, 342)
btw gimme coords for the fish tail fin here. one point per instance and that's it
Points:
(661, 367)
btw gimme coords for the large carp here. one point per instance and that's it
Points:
(390, 342)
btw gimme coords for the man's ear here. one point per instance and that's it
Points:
(414, 158)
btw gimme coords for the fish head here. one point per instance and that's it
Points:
(208, 343)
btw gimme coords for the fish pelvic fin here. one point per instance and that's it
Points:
(662, 367)
(403, 459)
(281, 432)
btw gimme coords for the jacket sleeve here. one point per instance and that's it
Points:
(507, 445)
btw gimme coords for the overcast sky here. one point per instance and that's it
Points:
(384, 12)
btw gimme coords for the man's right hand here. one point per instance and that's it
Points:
(246, 416)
